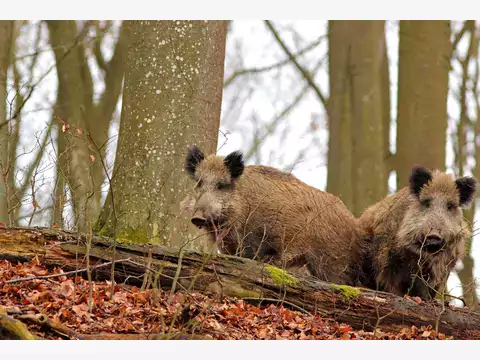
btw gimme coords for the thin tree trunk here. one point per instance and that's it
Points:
(466, 275)
(74, 88)
(85, 147)
(6, 36)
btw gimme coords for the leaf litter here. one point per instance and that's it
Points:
(65, 299)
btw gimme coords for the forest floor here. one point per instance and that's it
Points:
(134, 314)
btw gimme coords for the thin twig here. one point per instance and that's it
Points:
(44, 75)
(304, 72)
(274, 66)
(272, 125)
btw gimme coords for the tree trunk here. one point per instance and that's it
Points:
(171, 100)
(340, 168)
(386, 114)
(90, 120)
(424, 64)
(367, 57)
(357, 146)
(73, 91)
(232, 276)
(466, 275)
(6, 35)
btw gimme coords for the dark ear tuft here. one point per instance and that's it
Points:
(419, 177)
(466, 187)
(194, 157)
(234, 163)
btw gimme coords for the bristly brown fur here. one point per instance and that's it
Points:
(273, 216)
(400, 228)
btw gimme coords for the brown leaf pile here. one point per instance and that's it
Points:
(130, 311)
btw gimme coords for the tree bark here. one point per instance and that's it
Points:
(424, 64)
(6, 44)
(339, 115)
(233, 276)
(367, 57)
(466, 275)
(171, 100)
(357, 159)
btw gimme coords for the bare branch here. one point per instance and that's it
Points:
(277, 65)
(270, 127)
(77, 41)
(36, 161)
(459, 37)
(304, 72)
(97, 47)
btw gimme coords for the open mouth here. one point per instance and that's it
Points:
(202, 223)
(432, 243)
(199, 221)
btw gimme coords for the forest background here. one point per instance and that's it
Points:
(346, 106)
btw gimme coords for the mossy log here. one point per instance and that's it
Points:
(11, 329)
(232, 276)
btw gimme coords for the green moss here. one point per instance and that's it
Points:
(281, 276)
(347, 291)
(100, 229)
(240, 292)
(131, 235)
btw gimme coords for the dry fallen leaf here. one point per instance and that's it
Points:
(67, 288)
(139, 312)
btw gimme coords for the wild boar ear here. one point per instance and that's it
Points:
(194, 157)
(419, 177)
(466, 187)
(234, 163)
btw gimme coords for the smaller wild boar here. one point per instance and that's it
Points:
(415, 237)
(259, 212)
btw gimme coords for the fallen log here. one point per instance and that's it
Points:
(230, 276)
(12, 329)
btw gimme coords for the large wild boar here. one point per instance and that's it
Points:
(261, 213)
(416, 236)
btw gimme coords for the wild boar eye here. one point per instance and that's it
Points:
(425, 203)
(451, 206)
(199, 184)
(222, 186)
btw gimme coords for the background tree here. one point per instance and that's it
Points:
(357, 151)
(6, 166)
(424, 64)
(463, 147)
(78, 107)
(172, 99)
